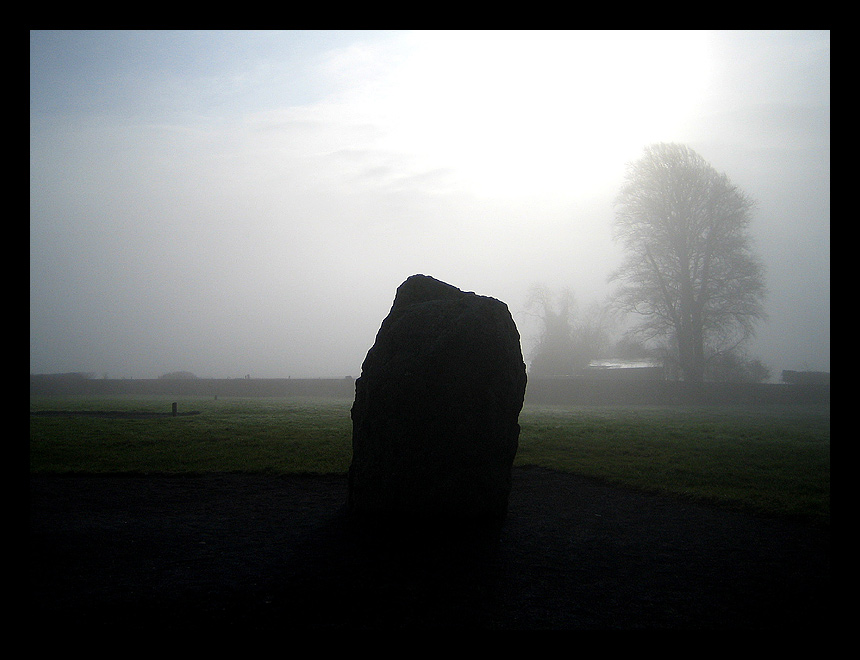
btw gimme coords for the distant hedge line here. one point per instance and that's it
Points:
(583, 391)
(575, 391)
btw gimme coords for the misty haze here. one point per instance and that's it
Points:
(234, 204)
(410, 330)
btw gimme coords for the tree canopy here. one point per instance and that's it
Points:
(689, 270)
(571, 336)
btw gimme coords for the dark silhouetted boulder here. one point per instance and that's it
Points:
(435, 417)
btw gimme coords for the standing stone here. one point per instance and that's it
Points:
(435, 417)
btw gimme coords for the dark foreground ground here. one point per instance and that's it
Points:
(245, 554)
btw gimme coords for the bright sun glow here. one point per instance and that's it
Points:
(522, 113)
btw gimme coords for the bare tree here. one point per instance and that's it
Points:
(553, 353)
(689, 270)
(570, 336)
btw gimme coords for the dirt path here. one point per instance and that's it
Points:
(248, 552)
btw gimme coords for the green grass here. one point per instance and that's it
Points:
(229, 435)
(770, 459)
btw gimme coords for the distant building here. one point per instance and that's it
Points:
(612, 369)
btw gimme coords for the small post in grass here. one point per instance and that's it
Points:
(174, 409)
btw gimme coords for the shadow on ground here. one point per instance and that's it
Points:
(266, 553)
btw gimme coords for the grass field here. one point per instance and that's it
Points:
(774, 459)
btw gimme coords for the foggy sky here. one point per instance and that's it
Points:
(233, 203)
